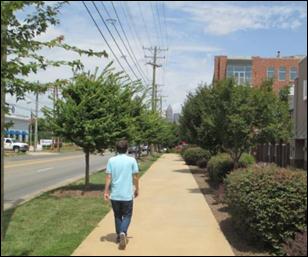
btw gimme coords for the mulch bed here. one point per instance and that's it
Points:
(93, 191)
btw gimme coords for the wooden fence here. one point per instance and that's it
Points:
(276, 153)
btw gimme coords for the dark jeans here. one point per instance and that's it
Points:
(123, 211)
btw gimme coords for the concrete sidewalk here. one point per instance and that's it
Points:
(171, 218)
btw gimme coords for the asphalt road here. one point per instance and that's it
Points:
(27, 176)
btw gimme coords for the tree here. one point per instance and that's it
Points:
(168, 135)
(232, 118)
(20, 54)
(198, 122)
(95, 112)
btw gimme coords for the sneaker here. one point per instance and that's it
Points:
(118, 239)
(123, 241)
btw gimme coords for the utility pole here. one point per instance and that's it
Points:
(54, 113)
(3, 61)
(57, 97)
(35, 126)
(31, 128)
(161, 104)
(154, 64)
(154, 86)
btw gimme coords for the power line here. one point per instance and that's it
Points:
(132, 20)
(159, 23)
(145, 25)
(131, 28)
(105, 39)
(134, 61)
(100, 15)
(154, 23)
(23, 107)
(125, 35)
(165, 23)
(167, 41)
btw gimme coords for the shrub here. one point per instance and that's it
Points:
(202, 163)
(194, 154)
(183, 148)
(268, 202)
(219, 166)
(246, 160)
(296, 246)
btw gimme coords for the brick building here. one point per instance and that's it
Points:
(253, 70)
(299, 141)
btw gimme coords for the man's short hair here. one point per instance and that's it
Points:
(122, 146)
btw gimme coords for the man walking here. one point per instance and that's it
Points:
(121, 175)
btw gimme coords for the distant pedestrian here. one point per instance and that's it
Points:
(121, 177)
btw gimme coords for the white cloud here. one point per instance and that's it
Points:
(225, 18)
(190, 55)
(195, 48)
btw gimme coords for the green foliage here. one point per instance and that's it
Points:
(151, 128)
(268, 201)
(194, 154)
(18, 41)
(183, 148)
(246, 160)
(219, 166)
(197, 126)
(232, 118)
(202, 163)
(222, 164)
(95, 110)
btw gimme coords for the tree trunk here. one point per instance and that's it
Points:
(236, 160)
(236, 164)
(139, 152)
(3, 60)
(87, 178)
(152, 149)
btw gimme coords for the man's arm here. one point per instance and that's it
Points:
(136, 184)
(107, 186)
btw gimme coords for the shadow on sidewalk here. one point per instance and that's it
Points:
(112, 237)
(188, 171)
(109, 238)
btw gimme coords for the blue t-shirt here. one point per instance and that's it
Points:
(122, 168)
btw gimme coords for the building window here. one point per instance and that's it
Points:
(240, 73)
(270, 72)
(293, 73)
(282, 73)
(305, 90)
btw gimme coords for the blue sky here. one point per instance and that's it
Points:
(193, 32)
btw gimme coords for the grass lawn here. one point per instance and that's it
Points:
(52, 225)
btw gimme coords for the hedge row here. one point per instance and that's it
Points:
(222, 164)
(196, 156)
(269, 202)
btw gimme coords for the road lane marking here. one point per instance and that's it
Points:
(27, 163)
(44, 170)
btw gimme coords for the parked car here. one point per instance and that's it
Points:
(145, 148)
(132, 149)
(12, 144)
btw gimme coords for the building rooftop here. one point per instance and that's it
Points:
(273, 57)
(16, 117)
